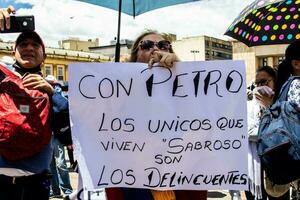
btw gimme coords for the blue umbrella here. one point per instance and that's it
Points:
(133, 8)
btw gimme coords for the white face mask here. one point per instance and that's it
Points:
(263, 90)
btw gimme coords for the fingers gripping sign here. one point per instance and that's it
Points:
(164, 59)
(154, 58)
(168, 59)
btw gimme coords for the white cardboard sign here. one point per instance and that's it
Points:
(159, 128)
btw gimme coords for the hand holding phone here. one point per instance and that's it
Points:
(20, 24)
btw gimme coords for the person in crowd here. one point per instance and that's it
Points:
(289, 67)
(153, 48)
(60, 174)
(28, 179)
(262, 93)
(61, 136)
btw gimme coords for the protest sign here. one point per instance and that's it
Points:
(160, 128)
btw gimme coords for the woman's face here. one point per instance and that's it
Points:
(262, 78)
(144, 55)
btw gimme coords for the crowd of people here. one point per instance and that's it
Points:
(153, 48)
(263, 93)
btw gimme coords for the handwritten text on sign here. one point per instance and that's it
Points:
(179, 128)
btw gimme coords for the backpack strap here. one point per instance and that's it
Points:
(285, 88)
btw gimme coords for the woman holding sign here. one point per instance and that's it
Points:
(155, 49)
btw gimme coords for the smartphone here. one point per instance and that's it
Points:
(20, 24)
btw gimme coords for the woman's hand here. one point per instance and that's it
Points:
(265, 99)
(35, 81)
(5, 17)
(163, 58)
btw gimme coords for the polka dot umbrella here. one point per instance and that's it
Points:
(266, 22)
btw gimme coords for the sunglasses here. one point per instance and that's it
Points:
(162, 45)
(262, 82)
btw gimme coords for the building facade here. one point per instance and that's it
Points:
(78, 45)
(258, 56)
(202, 48)
(110, 50)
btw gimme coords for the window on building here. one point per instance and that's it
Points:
(221, 46)
(207, 43)
(227, 47)
(280, 59)
(264, 61)
(214, 44)
(60, 72)
(48, 69)
(221, 55)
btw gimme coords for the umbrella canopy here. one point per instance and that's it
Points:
(136, 7)
(266, 22)
(133, 8)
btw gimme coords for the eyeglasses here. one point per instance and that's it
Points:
(162, 45)
(262, 82)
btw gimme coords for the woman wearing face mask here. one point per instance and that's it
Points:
(265, 82)
(263, 94)
(266, 86)
(155, 49)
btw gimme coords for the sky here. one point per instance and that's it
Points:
(57, 20)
